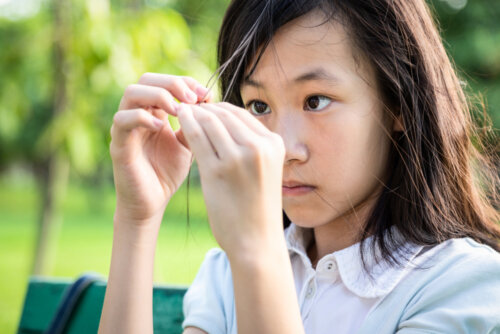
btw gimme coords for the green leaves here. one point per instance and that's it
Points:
(106, 49)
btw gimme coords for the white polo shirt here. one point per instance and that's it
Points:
(339, 279)
(339, 297)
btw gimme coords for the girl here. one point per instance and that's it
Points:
(345, 121)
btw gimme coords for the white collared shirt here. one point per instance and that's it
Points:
(338, 293)
(457, 292)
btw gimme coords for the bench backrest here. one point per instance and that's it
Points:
(44, 295)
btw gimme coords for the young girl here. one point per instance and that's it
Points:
(346, 124)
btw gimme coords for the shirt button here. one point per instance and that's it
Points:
(330, 265)
(311, 289)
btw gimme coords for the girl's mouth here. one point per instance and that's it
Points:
(296, 190)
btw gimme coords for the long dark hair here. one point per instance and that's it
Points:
(442, 183)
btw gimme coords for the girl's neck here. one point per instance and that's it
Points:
(338, 234)
(312, 253)
(323, 243)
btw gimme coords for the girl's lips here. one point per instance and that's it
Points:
(297, 190)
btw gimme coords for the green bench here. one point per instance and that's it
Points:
(45, 295)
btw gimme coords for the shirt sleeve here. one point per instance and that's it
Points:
(464, 300)
(208, 303)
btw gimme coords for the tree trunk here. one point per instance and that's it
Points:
(52, 179)
(52, 172)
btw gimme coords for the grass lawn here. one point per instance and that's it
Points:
(84, 240)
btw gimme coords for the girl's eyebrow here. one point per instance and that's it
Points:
(315, 74)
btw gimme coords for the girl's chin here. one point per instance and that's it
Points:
(309, 218)
(306, 221)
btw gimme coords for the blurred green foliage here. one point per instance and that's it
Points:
(109, 49)
(472, 37)
(112, 43)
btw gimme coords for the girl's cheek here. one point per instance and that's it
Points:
(346, 144)
(334, 135)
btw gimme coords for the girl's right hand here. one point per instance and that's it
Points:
(150, 160)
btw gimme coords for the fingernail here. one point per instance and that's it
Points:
(190, 96)
(158, 122)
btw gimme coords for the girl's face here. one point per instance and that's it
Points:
(309, 88)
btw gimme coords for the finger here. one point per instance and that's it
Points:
(216, 132)
(180, 137)
(143, 96)
(185, 89)
(204, 94)
(239, 130)
(246, 117)
(209, 97)
(125, 121)
(159, 113)
(195, 136)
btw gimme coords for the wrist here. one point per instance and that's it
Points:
(258, 254)
(138, 214)
(136, 232)
(139, 211)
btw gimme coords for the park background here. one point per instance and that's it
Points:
(64, 65)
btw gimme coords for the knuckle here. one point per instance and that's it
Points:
(117, 119)
(220, 171)
(164, 95)
(253, 146)
(260, 150)
(112, 130)
(141, 116)
(130, 89)
(253, 153)
(187, 79)
(176, 83)
(232, 163)
(112, 148)
(112, 151)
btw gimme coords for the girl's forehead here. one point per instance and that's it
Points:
(309, 41)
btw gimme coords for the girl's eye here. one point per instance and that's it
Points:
(258, 108)
(317, 102)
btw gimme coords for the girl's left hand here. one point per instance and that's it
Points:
(241, 167)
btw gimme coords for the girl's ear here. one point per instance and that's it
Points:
(398, 124)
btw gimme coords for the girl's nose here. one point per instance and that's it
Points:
(294, 137)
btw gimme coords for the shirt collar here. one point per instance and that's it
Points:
(381, 278)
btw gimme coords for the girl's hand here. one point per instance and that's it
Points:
(241, 168)
(150, 160)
